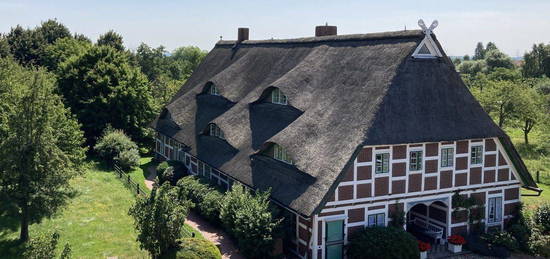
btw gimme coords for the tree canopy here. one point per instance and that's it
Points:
(41, 147)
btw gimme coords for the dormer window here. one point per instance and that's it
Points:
(278, 97)
(215, 131)
(281, 154)
(211, 89)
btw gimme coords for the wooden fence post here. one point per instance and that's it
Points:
(538, 176)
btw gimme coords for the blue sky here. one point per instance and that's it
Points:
(513, 25)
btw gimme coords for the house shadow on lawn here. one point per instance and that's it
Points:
(145, 169)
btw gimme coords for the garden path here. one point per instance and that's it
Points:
(210, 232)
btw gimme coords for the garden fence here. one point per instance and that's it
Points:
(128, 182)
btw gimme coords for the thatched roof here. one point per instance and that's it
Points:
(343, 92)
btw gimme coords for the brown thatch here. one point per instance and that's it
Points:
(343, 92)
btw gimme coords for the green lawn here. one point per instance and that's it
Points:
(139, 174)
(536, 158)
(95, 223)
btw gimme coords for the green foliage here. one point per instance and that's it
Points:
(128, 159)
(249, 220)
(382, 242)
(113, 143)
(472, 67)
(62, 50)
(495, 59)
(541, 217)
(521, 232)
(186, 60)
(102, 88)
(42, 247)
(207, 199)
(42, 148)
(479, 52)
(159, 219)
(162, 167)
(111, 39)
(503, 239)
(195, 248)
(537, 62)
(398, 217)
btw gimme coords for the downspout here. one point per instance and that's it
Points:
(538, 190)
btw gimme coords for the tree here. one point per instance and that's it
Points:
(530, 108)
(159, 220)
(490, 46)
(62, 50)
(479, 52)
(4, 47)
(153, 62)
(537, 62)
(495, 59)
(499, 99)
(505, 74)
(51, 31)
(466, 57)
(186, 60)
(111, 38)
(25, 44)
(42, 150)
(472, 67)
(102, 88)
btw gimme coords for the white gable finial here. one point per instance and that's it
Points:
(425, 29)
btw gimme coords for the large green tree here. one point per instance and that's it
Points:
(537, 62)
(62, 50)
(159, 219)
(479, 52)
(187, 59)
(111, 38)
(495, 59)
(42, 148)
(101, 87)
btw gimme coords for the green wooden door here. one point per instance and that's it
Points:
(334, 241)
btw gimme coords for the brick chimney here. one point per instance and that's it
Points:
(243, 34)
(325, 30)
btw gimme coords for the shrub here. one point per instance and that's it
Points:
(43, 247)
(195, 248)
(162, 167)
(206, 198)
(382, 242)
(502, 239)
(541, 218)
(521, 232)
(170, 171)
(128, 159)
(249, 220)
(539, 243)
(112, 143)
(159, 219)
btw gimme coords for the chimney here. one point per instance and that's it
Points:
(325, 30)
(243, 34)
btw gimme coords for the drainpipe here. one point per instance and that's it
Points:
(538, 190)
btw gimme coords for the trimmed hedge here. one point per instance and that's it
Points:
(207, 199)
(194, 248)
(382, 242)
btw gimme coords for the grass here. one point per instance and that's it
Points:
(95, 223)
(139, 174)
(537, 158)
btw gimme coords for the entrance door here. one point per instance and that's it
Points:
(334, 239)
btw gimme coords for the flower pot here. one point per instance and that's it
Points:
(455, 248)
(423, 254)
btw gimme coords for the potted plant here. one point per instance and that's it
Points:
(424, 247)
(455, 243)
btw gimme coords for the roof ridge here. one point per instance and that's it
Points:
(346, 37)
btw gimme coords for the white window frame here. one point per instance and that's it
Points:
(446, 159)
(384, 162)
(280, 153)
(476, 157)
(278, 97)
(215, 131)
(376, 217)
(417, 165)
(498, 203)
(213, 90)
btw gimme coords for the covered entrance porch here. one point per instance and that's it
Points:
(428, 220)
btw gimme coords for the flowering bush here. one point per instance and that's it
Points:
(457, 240)
(423, 246)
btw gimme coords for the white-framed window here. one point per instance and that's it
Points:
(278, 97)
(447, 156)
(476, 156)
(214, 130)
(415, 160)
(213, 90)
(376, 220)
(281, 154)
(494, 210)
(334, 239)
(382, 163)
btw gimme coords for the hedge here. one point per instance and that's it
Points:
(382, 242)
(195, 248)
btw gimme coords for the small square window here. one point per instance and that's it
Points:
(382, 163)
(477, 155)
(376, 220)
(447, 157)
(415, 160)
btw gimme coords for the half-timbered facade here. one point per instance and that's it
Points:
(345, 131)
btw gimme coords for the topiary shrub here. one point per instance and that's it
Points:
(128, 159)
(382, 242)
(112, 143)
(195, 248)
(541, 218)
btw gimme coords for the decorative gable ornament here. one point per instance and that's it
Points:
(427, 47)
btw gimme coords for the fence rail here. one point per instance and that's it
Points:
(128, 182)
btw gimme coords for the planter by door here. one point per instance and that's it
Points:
(455, 248)
(424, 255)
